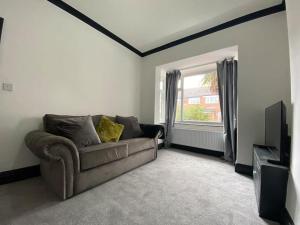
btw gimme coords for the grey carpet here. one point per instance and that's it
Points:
(178, 188)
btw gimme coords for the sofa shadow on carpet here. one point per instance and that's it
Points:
(25, 196)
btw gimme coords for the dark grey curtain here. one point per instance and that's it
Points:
(172, 79)
(227, 82)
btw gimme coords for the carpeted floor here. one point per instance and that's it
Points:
(178, 188)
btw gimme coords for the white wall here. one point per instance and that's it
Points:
(59, 65)
(293, 195)
(263, 76)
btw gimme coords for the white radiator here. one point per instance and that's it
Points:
(206, 139)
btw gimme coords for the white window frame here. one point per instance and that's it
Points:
(193, 122)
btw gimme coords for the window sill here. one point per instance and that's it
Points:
(200, 124)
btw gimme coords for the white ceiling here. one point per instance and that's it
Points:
(146, 24)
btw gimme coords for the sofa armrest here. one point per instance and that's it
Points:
(51, 147)
(59, 161)
(153, 130)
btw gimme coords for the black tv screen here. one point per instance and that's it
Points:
(276, 129)
(273, 128)
(1, 25)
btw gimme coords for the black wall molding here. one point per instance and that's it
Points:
(286, 219)
(19, 174)
(198, 150)
(1, 25)
(244, 169)
(243, 19)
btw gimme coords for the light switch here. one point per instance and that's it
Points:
(7, 87)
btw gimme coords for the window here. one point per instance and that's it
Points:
(213, 99)
(194, 101)
(198, 98)
(162, 96)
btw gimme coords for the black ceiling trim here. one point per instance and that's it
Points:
(1, 25)
(252, 16)
(94, 24)
(231, 23)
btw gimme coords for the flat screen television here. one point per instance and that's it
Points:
(276, 132)
(1, 25)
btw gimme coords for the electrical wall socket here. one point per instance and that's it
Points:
(7, 86)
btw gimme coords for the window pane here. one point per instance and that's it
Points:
(201, 98)
(179, 84)
(162, 96)
(178, 108)
(161, 85)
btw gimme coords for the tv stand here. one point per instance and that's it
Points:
(270, 182)
(275, 162)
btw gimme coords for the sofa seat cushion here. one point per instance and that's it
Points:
(138, 144)
(97, 155)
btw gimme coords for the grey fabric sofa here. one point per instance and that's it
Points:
(69, 171)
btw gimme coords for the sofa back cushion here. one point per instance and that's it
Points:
(108, 130)
(97, 118)
(132, 127)
(51, 121)
(79, 129)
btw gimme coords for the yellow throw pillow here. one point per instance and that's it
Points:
(109, 131)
